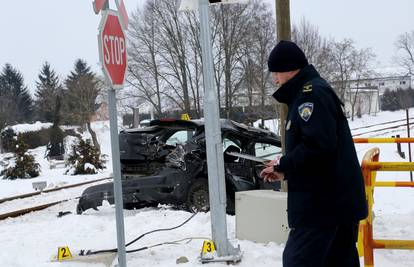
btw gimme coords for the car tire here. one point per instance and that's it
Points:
(79, 209)
(198, 196)
(231, 206)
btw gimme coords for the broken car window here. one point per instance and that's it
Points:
(179, 137)
(267, 151)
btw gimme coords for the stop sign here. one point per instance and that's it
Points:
(112, 48)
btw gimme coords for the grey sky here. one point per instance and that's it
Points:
(61, 31)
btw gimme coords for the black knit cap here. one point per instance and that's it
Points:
(286, 56)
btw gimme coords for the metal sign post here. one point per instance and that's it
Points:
(113, 57)
(215, 163)
(120, 232)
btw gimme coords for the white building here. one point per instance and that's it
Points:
(363, 101)
(387, 82)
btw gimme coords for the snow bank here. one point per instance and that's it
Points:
(26, 127)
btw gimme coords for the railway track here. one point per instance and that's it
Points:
(382, 123)
(30, 198)
(18, 213)
(51, 190)
(384, 129)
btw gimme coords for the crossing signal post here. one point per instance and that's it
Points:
(215, 164)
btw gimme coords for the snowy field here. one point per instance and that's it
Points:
(31, 240)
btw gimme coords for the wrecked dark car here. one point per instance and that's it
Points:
(165, 163)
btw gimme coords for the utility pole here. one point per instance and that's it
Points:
(283, 33)
(215, 162)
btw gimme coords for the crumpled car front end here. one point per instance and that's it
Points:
(169, 186)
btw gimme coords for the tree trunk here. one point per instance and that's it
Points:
(93, 134)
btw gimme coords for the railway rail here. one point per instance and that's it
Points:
(381, 129)
(51, 190)
(16, 213)
(378, 124)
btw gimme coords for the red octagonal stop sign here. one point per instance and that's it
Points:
(112, 48)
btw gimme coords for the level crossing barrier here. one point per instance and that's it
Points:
(370, 166)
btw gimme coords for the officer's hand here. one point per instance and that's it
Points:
(267, 171)
(273, 162)
(269, 175)
(275, 176)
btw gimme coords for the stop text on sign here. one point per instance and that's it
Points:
(114, 49)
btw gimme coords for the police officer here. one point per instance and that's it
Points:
(326, 194)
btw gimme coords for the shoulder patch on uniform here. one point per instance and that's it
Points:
(305, 110)
(307, 88)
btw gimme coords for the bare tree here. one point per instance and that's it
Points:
(362, 59)
(165, 67)
(166, 57)
(405, 46)
(233, 27)
(260, 40)
(174, 46)
(144, 63)
(315, 47)
(341, 55)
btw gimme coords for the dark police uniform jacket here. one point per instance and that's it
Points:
(325, 183)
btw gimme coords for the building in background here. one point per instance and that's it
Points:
(382, 83)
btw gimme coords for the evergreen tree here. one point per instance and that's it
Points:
(82, 89)
(25, 165)
(16, 104)
(48, 88)
(85, 159)
(56, 148)
(398, 99)
(388, 101)
(8, 141)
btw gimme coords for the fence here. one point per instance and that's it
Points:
(370, 165)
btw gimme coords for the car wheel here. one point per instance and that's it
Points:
(197, 197)
(79, 209)
(231, 207)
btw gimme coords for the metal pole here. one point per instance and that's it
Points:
(120, 232)
(409, 144)
(116, 166)
(283, 33)
(215, 164)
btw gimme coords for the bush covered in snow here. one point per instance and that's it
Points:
(24, 165)
(8, 139)
(85, 159)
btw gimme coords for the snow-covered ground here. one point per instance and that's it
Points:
(32, 239)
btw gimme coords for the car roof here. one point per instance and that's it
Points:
(226, 125)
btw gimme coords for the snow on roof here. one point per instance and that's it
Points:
(390, 71)
(27, 127)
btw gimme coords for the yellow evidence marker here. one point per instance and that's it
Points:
(208, 247)
(64, 254)
(185, 117)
